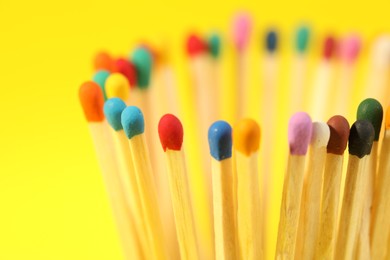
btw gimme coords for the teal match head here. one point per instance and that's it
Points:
(113, 109)
(371, 110)
(302, 39)
(220, 140)
(142, 60)
(100, 78)
(132, 121)
(214, 43)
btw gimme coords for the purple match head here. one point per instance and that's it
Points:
(299, 133)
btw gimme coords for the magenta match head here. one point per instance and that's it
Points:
(299, 133)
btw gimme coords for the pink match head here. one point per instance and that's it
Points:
(349, 49)
(299, 133)
(242, 25)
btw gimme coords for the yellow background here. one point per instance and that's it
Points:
(52, 200)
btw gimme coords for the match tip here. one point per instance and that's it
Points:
(371, 110)
(100, 78)
(329, 48)
(195, 45)
(388, 118)
(132, 121)
(170, 131)
(242, 26)
(361, 137)
(299, 133)
(381, 51)
(113, 109)
(103, 61)
(320, 134)
(246, 136)
(349, 49)
(339, 133)
(302, 39)
(118, 86)
(142, 60)
(214, 44)
(220, 140)
(127, 69)
(271, 41)
(92, 100)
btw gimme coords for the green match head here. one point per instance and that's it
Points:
(371, 110)
(142, 60)
(214, 43)
(302, 39)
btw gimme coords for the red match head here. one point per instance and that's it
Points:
(170, 131)
(127, 69)
(195, 45)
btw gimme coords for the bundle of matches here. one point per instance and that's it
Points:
(220, 210)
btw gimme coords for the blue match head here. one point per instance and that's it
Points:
(100, 78)
(271, 41)
(112, 109)
(142, 60)
(132, 121)
(220, 140)
(302, 39)
(214, 42)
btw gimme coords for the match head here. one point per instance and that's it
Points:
(118, 86)
(103, 61)
(381, 51)
(132, 121)
(100, 78)
(242, 26)
(170, 131)
(349, 49)
(113, 109)
(196, 45)
(302, 39)
(320, 134)
(214, 44)
(220, 140)
(371, 110)
(339, 133)
(361, 137)
(299, 133)
(246, 136)
(127, 69)
(92, 100)
(271, 41)
(387, 123)
(329, 48)
(142, 60)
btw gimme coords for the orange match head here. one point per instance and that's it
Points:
(103, 61)
(92, 101)
(387, 118)
(246, 136)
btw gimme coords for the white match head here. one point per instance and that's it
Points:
(320, 135)
(381, 51)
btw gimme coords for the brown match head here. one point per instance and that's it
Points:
(339, 133)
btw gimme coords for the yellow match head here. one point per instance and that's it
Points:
(118, 86)
(246, 136)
